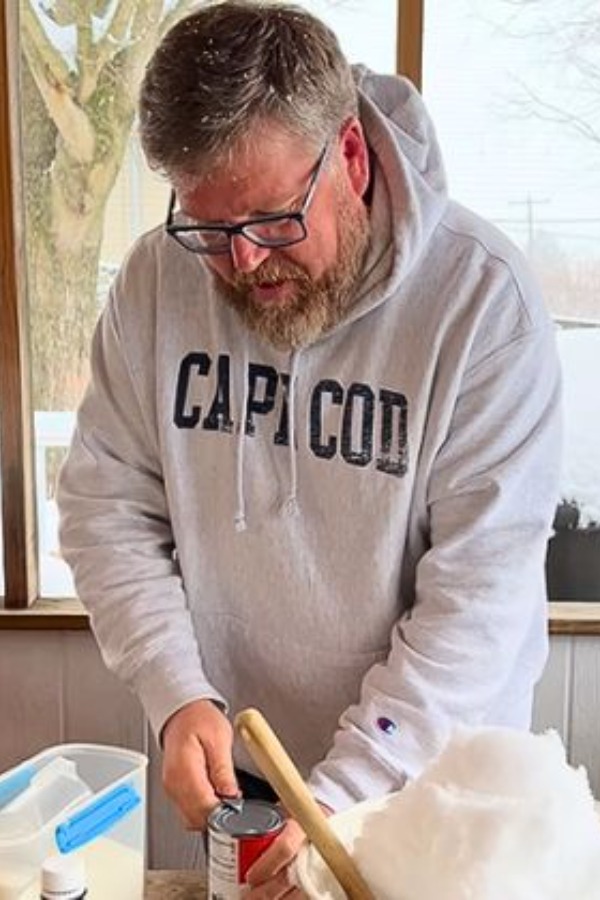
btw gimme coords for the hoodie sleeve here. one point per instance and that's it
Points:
(115, 535)
(477, 630)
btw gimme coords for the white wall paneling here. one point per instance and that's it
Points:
(585, 708)
(552, 697)
(54, 688)
(568, 699)
(31, 707)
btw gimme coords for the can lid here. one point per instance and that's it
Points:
(64, 877)
(256, 817)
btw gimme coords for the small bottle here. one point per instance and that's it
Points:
(63, 878)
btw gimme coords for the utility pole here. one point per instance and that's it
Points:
(530, 203)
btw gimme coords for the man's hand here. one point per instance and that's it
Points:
(197, 761)
(269, 876)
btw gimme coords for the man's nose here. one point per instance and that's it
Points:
(246, 256)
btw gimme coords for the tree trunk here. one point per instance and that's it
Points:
(64, 309)
(78, 117)
(65, 202)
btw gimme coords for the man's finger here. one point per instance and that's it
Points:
(279, 855)
(277, 887)
(186, 783)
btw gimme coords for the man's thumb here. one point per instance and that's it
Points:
(222, 777)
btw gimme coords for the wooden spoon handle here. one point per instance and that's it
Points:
(281, 773)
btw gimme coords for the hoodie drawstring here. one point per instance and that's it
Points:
(289, 507)
(240, 513)
(290, 504)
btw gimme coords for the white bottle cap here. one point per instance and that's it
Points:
(63, 877)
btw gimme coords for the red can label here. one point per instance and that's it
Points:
(235, 840)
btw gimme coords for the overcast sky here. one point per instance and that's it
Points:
(479, 55)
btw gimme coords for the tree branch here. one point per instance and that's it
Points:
(86, 59)
(149, 27)
(551, 113)
(176, 13)
(40, 52)
(52, 75)
(115, 34)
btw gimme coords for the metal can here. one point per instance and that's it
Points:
(237, 837)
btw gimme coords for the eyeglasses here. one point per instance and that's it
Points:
(276, 230)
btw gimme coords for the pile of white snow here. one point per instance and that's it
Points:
(499, 815)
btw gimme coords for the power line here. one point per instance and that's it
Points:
(574, 237)
(581, 221)
(519, 226)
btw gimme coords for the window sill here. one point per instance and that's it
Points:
(575, 618)
(46, 615)
(69, 615)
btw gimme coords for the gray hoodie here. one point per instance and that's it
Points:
(351, 537)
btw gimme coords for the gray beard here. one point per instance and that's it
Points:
(317, 305)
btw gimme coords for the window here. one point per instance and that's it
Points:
(512, 86)
(514, 89)
(366, 30)
(75, 185)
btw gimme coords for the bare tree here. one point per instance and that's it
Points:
(82, 61)
(561, 88)
(571, 95)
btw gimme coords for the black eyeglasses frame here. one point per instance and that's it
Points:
(229, 231)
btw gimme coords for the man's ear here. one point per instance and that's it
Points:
(355, 155)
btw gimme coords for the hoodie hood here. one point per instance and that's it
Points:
(409, 192)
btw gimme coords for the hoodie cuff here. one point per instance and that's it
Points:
(163, 696)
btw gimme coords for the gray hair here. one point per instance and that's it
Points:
(228, 69)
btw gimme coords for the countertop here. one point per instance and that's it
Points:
(172, 885)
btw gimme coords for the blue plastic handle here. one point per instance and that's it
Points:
(15, 784)
(97, 818)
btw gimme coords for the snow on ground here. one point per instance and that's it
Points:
(579, 350)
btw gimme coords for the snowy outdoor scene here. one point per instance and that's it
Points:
(513, 88)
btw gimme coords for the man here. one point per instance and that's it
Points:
(316, 466)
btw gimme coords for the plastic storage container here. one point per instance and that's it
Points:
(88, 799)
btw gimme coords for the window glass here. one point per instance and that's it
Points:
(88, 193)
(366, 30)
(513, 87)
(86, 197)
